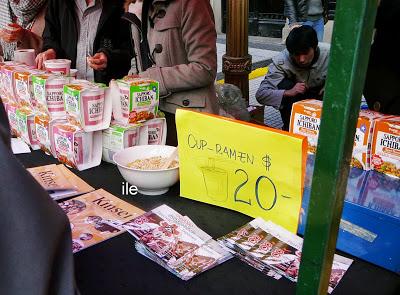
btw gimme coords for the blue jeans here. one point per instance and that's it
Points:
(318, 26)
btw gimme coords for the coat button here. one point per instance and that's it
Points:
(186, 102)
(377, 106)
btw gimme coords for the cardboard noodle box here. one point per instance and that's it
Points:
(48, 92)
(88, 105)
(11, 109)
(26, 127)
(305, 120)
(58, 66)
(119, 137)
(385, 156)
(138, 100)
(24, 87)
(8, 80)
(44, 127)
(363, 139)
(157, 130)
(76, 148)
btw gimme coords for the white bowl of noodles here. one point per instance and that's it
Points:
(140, 166)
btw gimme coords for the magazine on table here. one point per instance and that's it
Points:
(96, 217)
(59, 181)
(275, 251)
(175, 242)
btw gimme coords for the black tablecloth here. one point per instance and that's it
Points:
(114, 266)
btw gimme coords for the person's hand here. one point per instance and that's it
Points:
(98, 61)
(12, 33)
(42, 57)
(299, 88)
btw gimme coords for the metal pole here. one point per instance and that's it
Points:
(352, 34)
(236, 63)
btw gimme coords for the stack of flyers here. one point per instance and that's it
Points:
(59, 181)
(275, 251)
(175, 242)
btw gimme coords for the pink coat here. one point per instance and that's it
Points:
(183, 42)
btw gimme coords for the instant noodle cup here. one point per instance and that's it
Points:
(119, 137)
(11, 109)
(385, 154)
(58, 66)
(8, 81)
(48, 92)
(24, 87)
(76, 148)
(139, 99)
(157, 130)
(363, 139)
(44, 125)
(73, 73)
(86, 106)
(305, 120)
(25, 56)
(26, 127)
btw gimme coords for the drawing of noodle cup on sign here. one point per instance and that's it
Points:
(58, 66)
(215, 181)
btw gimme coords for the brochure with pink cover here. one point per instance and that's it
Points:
(59, 181)
(96, 217)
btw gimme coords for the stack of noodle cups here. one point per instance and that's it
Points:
(137, 120)
(36, 105)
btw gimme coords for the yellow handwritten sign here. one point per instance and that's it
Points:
(244, 167)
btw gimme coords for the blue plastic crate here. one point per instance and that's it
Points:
(370, 227)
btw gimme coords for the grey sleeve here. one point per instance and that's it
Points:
(268, 92)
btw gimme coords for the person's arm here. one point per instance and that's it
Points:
(268, 92)
(199, 38)
(32, 39)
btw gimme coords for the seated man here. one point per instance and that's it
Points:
(297, 73)
(91, 34)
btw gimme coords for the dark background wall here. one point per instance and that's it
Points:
(266, 17)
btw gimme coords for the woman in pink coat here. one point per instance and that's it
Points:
(176, 45)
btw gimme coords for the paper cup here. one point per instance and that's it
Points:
(93, 107)
(73, 73)
(124, 91)
(58, 66)
(54, 96)
(25, 56)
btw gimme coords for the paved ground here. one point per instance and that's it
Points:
(261, 49)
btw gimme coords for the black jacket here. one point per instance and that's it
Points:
(297, 10)
(35, 247)
(113, 36)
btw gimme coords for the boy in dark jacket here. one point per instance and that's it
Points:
(91, 34)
